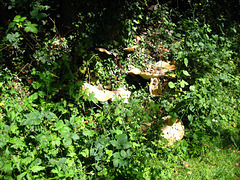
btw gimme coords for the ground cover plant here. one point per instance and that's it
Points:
(52, 128)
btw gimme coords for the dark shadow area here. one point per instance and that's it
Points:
(220, 15)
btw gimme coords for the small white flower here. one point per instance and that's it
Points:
(214, 120)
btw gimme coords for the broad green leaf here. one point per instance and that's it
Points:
(22, 19)
(93, 152)
(17, 17)
(13, 37)
(129, 113)
(61, 161)
(37, 15)
(59, 125)
(33, 97)
(4, 140)
(123, 154)
(127, 145)
(180, 54)
(27, 160)
(49, 115)
(7, 167)
(14, 129)
(201, 44)
(72, 119)
(37, 168)
(55, 171)
(116, 162)
(41, 94)
(92, 98)
(11, 25)
(65, 131)
(190, 117)
(75, 136)
(20, 176)
(115, 144)
(174, 116)
(129, 152)
(122, 139)
(16, 160)
(120, 120)
(171, 85)
(89, 133)
(31, 27)
(99, 168)
(36, 85)
(118, 131)
(34, 13)
(186, 73)
(195, 137)
(183, 83)
(117, 111)
(57, 141)
(85, 152)
(33, 118)
(41, 16)
(186, 62)
(117, 155)
(67, 141)
(109, 153)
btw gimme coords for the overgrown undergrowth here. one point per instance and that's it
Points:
(51, 129)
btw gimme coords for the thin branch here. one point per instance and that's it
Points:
(54, 24)
(22, 69)
(29, 43)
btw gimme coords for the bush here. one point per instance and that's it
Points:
(50, 128)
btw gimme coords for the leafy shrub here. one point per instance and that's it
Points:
(106, 143)
(206, 97)
(50, 128)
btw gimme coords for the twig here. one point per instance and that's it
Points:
(4, 47)
(70, 31)
(35, 39)
(22, 69)
(29, 43)
(97, 105)
(54, 24)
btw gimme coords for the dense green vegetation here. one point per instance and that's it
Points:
(51, 129)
